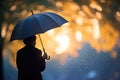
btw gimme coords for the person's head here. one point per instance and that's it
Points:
(30, 41)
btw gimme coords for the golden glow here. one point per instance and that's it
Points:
(98, 15)
(108, 37)
(4, 29)
(82, 14)
(96, 30)
(117, 15)
(95, 6)
(103, 1)
(12, 8)
(24, 12)
(63, 41)
(79, 20)
(74, 7)
(51, 32)
(84, 26)
(87, 10)
(78, 35)
(59, 4)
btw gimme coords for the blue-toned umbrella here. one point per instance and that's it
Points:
(36, 24)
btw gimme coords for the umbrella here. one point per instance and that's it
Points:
(36, 24)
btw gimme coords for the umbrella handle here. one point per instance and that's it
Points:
(45, 54)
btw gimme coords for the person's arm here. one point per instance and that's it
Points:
(42, 63)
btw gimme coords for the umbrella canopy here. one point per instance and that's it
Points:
(36, 24)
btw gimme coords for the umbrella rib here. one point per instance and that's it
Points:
(52, 18)
(45, 15)
(38, 23)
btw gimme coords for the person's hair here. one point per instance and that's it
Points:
(29, 40)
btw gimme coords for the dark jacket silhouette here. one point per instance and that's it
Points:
(30, 62)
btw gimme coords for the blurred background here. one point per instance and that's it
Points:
(85, 48)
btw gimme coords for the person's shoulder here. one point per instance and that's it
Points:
(21, 50)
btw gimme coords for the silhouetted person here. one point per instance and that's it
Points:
(30, 62)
